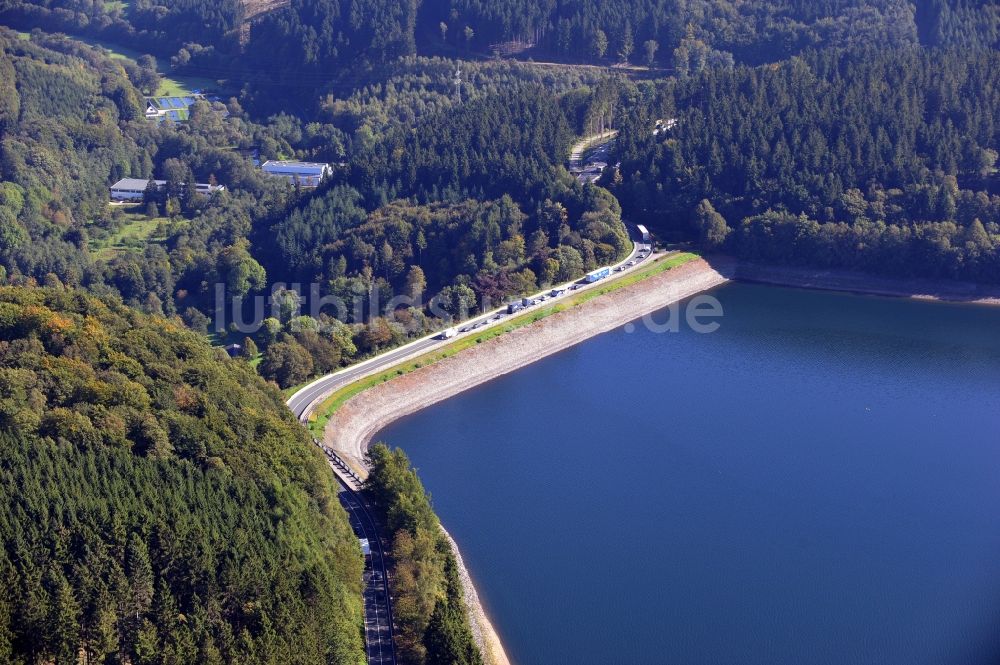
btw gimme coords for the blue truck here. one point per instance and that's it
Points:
(597, 275)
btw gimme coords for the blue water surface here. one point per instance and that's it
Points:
(816, 482)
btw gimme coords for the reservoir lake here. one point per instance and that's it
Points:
(817, 482)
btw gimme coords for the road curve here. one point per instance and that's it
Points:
(379, 643)
(303, 402)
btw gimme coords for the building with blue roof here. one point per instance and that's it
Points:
(173, 108)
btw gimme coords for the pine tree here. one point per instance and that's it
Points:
(64, 623)
(140, 575)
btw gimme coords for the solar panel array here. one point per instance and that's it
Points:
(172, 102)
(176, 108)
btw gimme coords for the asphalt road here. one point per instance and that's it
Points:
(303, 401)
(377, 600)
(378, 611)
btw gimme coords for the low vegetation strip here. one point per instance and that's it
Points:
(321, 415)
(429, 604)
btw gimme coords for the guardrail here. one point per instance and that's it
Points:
(341, 465)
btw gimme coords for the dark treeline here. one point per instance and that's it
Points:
(880, 161)
(959, 23)
(160, 504)
(685, 33)
(661, 32)
(316, 39)
(313, 35)
(429, 603)
(412, 89)
(155, 26)
(510, 142)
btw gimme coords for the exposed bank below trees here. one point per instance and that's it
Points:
(352, 427)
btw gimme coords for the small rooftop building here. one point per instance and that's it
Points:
(306, 174)
(133, 189)
(177, 109)
(174, 108)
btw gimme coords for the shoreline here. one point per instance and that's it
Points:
(357, 421)
(483, 633)
(352, 427)
(848, 281)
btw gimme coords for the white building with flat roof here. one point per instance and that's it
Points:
(130, 189)
(133, 189)
(306, 174)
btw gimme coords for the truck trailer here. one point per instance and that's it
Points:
(597, 275)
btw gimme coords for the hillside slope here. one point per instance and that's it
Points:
(157, 502)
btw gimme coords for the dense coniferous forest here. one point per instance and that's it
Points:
(504, 143)
(752, 32)
(884, 162)
(413, 88)
(312, 37)
(160, 505)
